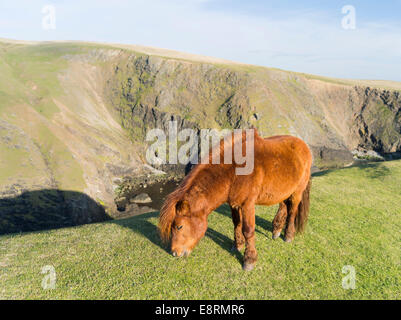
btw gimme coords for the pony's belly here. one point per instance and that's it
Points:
(269, 198)
(266, 203)
(270, 201)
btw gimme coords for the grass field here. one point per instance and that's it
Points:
(355, 220)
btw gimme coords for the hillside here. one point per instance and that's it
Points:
(354, 221)
(73, 117)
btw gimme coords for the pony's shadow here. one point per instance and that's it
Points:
(140, 224)
(224, 242)
(263, 224)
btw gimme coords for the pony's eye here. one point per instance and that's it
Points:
(179, 227)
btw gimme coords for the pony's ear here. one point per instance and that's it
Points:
(182, 208)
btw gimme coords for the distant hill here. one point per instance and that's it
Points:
(73, 115)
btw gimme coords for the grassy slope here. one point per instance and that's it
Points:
(355, 220)
(29, 85)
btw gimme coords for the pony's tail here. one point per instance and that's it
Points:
(303, 209)
(167, 216)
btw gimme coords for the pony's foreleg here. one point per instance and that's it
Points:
(239, 239)
(248, 229)
(279, 220)
(293, 202)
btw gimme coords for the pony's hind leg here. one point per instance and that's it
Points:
(292, 207)
(297, 204)
(239, 240)
(279, 220)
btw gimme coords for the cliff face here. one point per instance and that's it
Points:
(365, 117)
(334, 117)
(378, 122)
(73, 116)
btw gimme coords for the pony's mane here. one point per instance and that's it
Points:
(168, 210)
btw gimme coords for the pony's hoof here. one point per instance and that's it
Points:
(236, 249)
(288, 240)
(248, 266)
(276, 235)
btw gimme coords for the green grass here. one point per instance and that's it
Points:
(23, 68)
(13, 162)
(65, 169)
(355, 220)
(29, 77)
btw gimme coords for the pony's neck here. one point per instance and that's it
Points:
(208, 190)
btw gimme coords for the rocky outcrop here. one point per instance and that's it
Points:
(331, 158)
(141, 198)
(378, 124)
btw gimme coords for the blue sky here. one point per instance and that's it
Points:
(305, 36)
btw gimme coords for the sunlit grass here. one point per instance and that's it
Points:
(355, 220)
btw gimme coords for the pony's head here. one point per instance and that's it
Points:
(181, 226)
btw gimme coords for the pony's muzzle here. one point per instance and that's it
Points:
(177, 254)
(183, 253)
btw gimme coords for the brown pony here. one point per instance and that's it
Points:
(282, 168)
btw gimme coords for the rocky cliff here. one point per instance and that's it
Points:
(333, 116)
